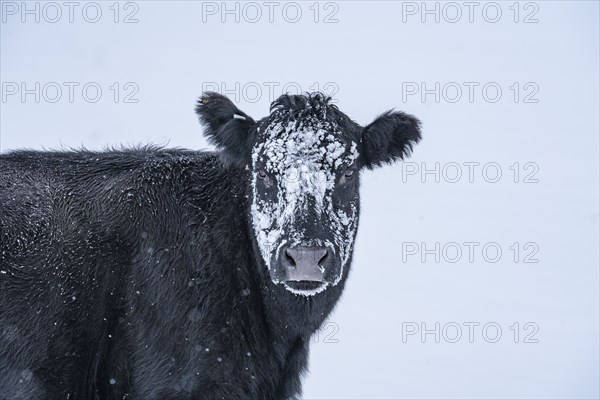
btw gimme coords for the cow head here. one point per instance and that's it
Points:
(304, 161)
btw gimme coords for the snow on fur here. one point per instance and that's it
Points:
(303, 157)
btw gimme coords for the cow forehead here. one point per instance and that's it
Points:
(308, 146)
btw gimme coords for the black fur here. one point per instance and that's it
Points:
(389, 138)
(134, 274)
(226, 126)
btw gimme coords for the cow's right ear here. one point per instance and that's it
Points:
(226, 126)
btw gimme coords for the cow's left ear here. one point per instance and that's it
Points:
(226, 126)
(389, 138)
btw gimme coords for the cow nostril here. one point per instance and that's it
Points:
(326, 255)
(290, 258)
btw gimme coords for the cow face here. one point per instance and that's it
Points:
(304, 161)
(305, 197)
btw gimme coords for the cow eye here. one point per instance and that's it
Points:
(262, 174)
(348, 175)
(264, 177)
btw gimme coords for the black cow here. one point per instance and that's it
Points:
(152, 273)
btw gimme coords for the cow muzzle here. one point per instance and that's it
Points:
(305, 266)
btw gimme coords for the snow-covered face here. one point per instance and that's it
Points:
(304, 201)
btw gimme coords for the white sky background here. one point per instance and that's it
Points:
(372, 57)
